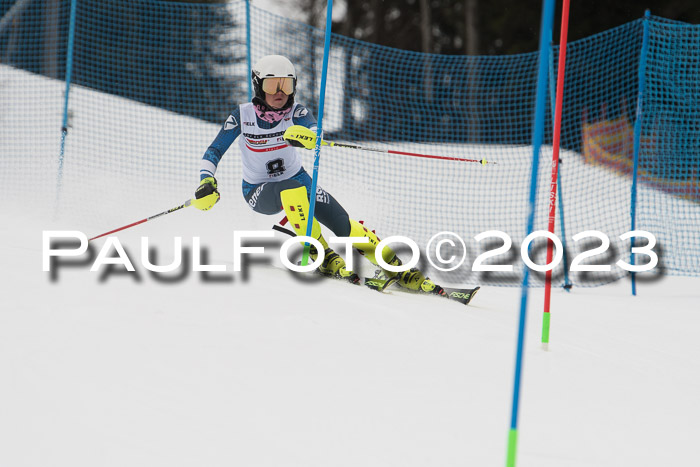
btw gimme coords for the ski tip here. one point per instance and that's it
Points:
(471, 297)
(463, 296)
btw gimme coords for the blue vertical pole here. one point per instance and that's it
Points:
(247, 47)
(537, 138)
(319, 128)
(637, 139)
(69, 71)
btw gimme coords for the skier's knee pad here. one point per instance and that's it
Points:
(359, 230)
(296, 205)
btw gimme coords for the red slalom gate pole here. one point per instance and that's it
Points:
(184, 205)
(555, 169)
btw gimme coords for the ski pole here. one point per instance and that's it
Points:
(186, 204)
(301, 137)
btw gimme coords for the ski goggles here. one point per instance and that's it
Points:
(274, 85)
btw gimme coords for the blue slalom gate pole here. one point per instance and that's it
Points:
(319, 129)
(69, 71)
(637, 139)
(537, 138)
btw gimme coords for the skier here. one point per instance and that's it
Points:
(273, 176)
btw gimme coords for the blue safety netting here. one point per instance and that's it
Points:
(152, 82)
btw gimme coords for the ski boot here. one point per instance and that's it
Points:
(414, 280)
(296, 205)
(333, 265)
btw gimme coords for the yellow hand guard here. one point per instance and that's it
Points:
(301, 137)
(206, 195)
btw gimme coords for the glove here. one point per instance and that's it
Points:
(206, 195)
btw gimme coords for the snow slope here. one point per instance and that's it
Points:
(123, 369)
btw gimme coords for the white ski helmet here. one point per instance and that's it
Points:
(272, 66)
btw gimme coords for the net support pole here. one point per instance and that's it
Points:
(11, 13)
(319, 128)
(537, 138)
(69, 72)
(637, 140)
(555, 168)
(247, 48)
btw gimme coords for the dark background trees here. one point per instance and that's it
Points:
(488, 27)
(177, 57)
(181, 58)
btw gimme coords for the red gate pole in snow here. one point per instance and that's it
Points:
(555, 168)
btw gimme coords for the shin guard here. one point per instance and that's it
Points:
(296, 206)
(359, 230)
